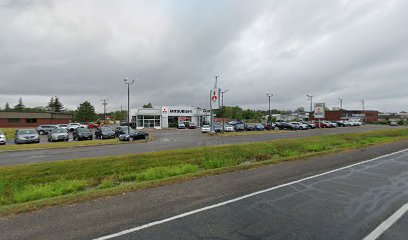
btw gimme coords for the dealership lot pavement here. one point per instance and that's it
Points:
(346, 204)
(163, 140)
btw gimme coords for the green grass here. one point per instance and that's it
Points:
(14, 147)
(9, 132)
(31, 186)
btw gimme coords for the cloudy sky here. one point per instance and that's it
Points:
(82, 50)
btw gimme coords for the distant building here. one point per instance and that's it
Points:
(367, 116)
(32, 119)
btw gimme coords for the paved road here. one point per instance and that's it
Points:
(347, 204)
(163, 140)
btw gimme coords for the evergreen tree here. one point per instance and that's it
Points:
(85, 112)
(58, 106)
(149, 105)
(7, 107)
(20, 106)
(51, 104)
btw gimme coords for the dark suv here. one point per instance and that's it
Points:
(82, 134)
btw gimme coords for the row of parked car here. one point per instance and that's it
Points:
(57, 133)
(281, 125)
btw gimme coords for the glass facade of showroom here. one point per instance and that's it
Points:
(148, 121)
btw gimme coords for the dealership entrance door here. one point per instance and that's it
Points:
(149, 121)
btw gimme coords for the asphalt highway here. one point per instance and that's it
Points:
(325, 197)
(163, 140)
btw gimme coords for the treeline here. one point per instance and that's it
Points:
(241, 114)
(54, 105)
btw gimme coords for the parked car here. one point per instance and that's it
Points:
(205, 129)
(26, 136)
(310, 125)
(285, 126)
(217, 128)
(63, 126)
(72, 126)
(181, 125)
(259, 127)
(324, 124)
(228, 128)
(91, 125)
(300, 126)
(271, 126)
(2, 138)
(82, 134)
(123, 123)
(45, 129)
(58, 134)
(355, 123)
(192, 125)
(121, 130)
(249, 127)
(133, 135)
(393, 123)
(104, 133)
(240, 126)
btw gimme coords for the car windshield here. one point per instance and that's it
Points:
(106, 129)
(27, 131)
(206, 126)
(59, 130)
(82, 130)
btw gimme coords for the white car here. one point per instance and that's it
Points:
(205, 129)
(228, 128)
(63, 126)
(72, 126)
(2, 138)
(300, 126)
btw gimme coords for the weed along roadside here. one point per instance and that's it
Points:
(32, 186)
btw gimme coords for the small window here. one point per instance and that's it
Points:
(13, 120)
(31, 120)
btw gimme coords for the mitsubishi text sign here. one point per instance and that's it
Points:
(319, 110)
(215, 98)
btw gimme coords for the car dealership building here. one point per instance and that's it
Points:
(168, 116)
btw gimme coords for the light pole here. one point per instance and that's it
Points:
(310, 98)
(269, 95)
(222, 109)
(363, 104)
(128, 83)
(341, 103)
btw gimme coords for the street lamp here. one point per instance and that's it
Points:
(341, 103)
(128, 83)
(222, 108)
(269, 95)
(310, 98)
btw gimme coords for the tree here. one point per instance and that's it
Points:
(149, 105)
(20, 106)
(85, 112)
(7, 107)
(58, 106)
(55, 105)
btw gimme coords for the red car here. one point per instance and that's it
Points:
(324, 124)
(192, 126)
(92, 125)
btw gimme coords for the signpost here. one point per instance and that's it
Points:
(214, 101)
(319, 111)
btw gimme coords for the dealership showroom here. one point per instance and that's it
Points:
(168, 116)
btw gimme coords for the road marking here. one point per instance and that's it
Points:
(135, 229)
(387, 223)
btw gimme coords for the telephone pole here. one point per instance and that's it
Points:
(362, 104)
(104, 103)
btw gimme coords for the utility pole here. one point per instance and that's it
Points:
(362, 104)
(341, 103)
(128, 83)
(310, 98)
(104, 103)
(269, 95)
(121, 113)
(222, 109)
(211, 109)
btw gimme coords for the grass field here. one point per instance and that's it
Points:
(31, 186)
(9, 132)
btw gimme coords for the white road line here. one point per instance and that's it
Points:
(236, 199)
(387, 223)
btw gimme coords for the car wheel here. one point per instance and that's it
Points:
(130, 139)
(41, 132)
(146, 137)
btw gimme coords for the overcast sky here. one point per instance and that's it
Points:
(82, 50)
